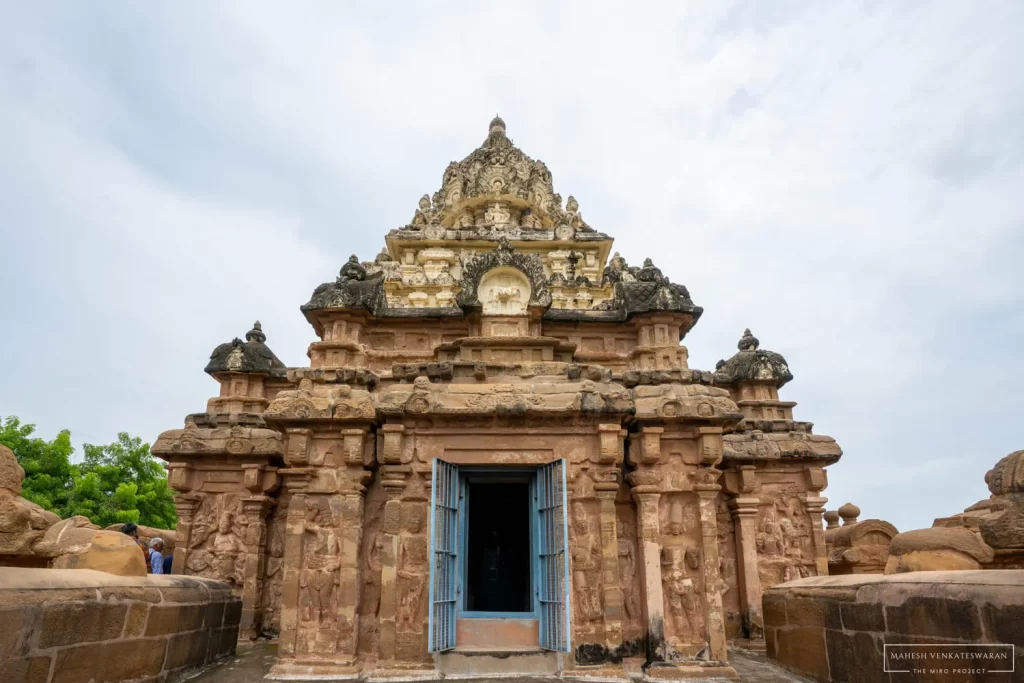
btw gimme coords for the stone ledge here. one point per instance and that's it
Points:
(82, 625)
(833, 628)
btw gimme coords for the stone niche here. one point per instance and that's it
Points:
(504, 291)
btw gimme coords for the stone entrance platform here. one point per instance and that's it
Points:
(253, 662)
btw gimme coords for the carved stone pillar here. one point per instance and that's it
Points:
(611, 585)
(258, 480)
(714, 618)
(393, 479)
(185, 504)
(646, 491)
(255, 509)
(745, 508)
(350, 579)
(355, 456)
(744, 514)
(814, 505)
(296, 480)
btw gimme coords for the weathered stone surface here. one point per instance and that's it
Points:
(76, 544)
(117, 660)
(858, 547)
(753, 364)
(250, 356)
(69, 623)
(955, 607)
(937, 549)
(92, 626)
(22, 523)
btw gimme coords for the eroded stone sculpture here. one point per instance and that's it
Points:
(33, 537)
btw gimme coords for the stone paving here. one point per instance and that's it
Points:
(252, 662)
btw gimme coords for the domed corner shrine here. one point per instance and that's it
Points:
(499, 446)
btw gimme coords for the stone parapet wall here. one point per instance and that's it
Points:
(833, 628)
(77, 626)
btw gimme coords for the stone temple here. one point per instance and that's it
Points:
(499, 447)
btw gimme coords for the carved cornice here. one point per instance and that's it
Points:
(234, 441)
(795, 445)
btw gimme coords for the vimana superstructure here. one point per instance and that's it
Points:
(499, 457)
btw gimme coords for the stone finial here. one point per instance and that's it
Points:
(571, 205)
(250, 356)
(256, 333)
(383, 256)
(11, 473)
(849, 513)
(753, 364)
(831, 519)
(497, 125)
(425, 203)
(352, 270)
(748, 342)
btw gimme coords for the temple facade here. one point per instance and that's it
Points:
(498, 446)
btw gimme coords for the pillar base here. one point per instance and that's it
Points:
(689, 671)
(299, 669)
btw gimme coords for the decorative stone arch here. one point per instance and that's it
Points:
(529, 265)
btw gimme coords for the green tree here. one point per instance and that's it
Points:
(49, 473)
(116, 483)
(123, 482)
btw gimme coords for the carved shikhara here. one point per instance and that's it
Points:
(496, 329)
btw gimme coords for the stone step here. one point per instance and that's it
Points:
(469, 662)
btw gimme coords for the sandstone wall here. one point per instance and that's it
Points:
(833, 628)
(71, 626)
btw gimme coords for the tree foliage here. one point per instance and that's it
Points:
(116, 483)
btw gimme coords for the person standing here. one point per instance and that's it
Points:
(156, 558)
(130, 529)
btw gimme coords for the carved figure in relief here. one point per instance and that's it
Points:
(321, 562)
(274, 573)
(769, 537)
(413, 567)
(682, 594)
(217, 550)
(627, 574)
(497, 213)
(586, 564)
(228, 551)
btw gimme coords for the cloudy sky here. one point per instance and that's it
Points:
(844, 178)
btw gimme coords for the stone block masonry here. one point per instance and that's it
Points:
(835, 629)
(85, 626)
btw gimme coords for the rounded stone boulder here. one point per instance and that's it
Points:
(937, 549)
(75, 543)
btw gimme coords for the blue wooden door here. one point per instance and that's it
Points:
(552, 562)
(444, 546)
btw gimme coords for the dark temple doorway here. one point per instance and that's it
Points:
(498, 555)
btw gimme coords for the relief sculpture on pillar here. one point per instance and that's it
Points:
(586, 565)
(274, 571)
(782, 537)
(681, 571)
(217, 550)
(413, 568)
(318, 578)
